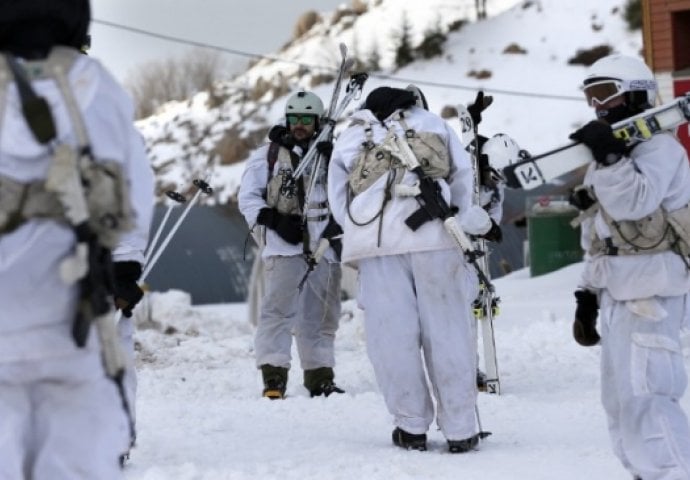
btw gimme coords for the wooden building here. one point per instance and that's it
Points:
(666, 36)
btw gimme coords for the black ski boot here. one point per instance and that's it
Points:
(462, 446)
(319, 381)
(409, 441)
(275, 381)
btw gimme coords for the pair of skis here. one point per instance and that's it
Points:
(485, 306)
(537, 170)
(352, 91)
(313, 160)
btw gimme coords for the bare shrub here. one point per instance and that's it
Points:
(588, 56)
(234, 147)
(456, 25)
(304, 23)
(359, 7)
(321, 78)
(514, 48)
(482, 74)
(161, 81)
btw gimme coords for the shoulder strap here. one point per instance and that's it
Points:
(35, 108)
(58, 65)
(272, 157)
(409, 132)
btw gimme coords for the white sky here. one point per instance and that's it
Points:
(257, 26)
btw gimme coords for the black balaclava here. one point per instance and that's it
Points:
(30, 28)
(383, 101)
(634, 103)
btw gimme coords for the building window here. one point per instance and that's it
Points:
(680, 22)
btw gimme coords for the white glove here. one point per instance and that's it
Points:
(475, 221)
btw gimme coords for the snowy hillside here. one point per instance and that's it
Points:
(522, 52)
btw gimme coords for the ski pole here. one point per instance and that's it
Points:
(482, 434)
(176, 197)
(152, 259)
(203, 187)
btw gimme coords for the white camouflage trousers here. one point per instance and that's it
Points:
(312, 314)
(418, 323)
(60, 419)
(643, 377)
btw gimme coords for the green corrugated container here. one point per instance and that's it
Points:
(553, 243)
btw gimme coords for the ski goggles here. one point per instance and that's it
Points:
(601, 91)
(294, 119)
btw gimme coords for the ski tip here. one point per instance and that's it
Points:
(349, 63)
(343, 49)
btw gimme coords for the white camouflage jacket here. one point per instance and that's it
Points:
(38, 307)
(360, 241)
(251, 199)
(656, 174)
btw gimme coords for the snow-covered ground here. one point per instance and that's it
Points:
(201, 415)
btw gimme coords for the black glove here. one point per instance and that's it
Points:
(480, 104)
(325, 149)
(281, 135)
(495, 234)
(598, 136)
(126, 291)
(581, 198)
(584, 326)
(332, 230)
(288, 227)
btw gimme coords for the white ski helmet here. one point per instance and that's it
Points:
(304, 103)
(502, 151)
(616, 75)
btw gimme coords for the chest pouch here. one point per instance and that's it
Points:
(78, 189)
(371, 164)
(282, 192)
(375, 160)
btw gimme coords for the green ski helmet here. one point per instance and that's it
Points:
(305, 103)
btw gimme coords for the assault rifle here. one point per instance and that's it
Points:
(433, 206)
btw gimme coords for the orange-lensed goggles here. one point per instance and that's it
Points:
(602, 91)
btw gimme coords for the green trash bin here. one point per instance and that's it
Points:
(553, 242)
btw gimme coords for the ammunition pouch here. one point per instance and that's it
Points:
(658, 232)
(22, 201)
(281, 191)
(374, 160)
